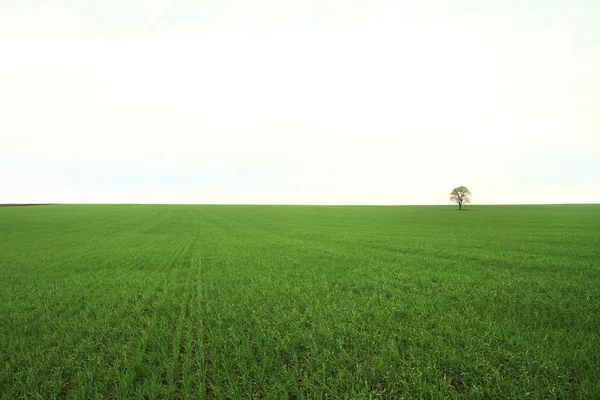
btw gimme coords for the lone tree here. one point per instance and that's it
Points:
(460, 196)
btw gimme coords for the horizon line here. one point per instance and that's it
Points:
(294, 204)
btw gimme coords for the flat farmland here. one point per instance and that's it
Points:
(158, 301)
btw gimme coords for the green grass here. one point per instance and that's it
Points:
(149, 301)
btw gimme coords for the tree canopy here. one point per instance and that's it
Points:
(460, 195)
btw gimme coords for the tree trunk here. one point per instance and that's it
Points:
(459, 206)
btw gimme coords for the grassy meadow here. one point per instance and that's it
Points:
(155, 301)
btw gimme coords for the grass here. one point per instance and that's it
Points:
(150, 301)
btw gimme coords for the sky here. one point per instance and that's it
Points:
(299, 102)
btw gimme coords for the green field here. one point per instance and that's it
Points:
(151, 301)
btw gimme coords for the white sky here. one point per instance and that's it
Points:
(302, 102)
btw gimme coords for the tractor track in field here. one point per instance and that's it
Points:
(182, 346)
(206, 379)
(191, 370)
(130, 381)
(188, 367)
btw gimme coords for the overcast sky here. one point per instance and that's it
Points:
(301, 102)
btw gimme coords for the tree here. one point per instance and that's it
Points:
(460, 196)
